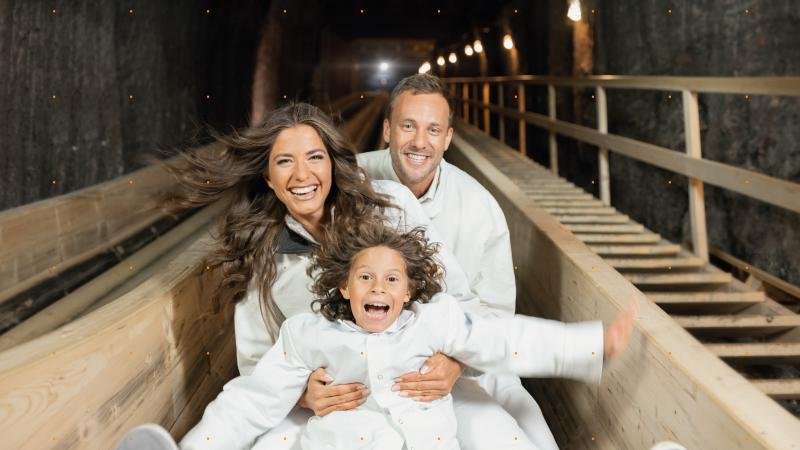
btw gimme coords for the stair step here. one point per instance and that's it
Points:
(738, 325)
(662, 249)
(640, 238)
(758, 353)
(711, 298)
(605, 210)
(678, 279)
(784, 389)
(559, 196)
(557, 203)
(655, 263)
(624, 228)
(617, 218)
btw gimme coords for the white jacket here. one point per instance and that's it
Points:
(291, 290)
(472, 226)
(251, 405)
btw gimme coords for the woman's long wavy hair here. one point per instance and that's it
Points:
(333, 259)
(248, 234)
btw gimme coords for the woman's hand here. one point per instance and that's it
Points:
(618, 334)
(432, 382)
(324, 399)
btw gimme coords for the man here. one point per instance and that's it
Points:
(418, 127)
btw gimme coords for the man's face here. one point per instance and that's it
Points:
(418, 133)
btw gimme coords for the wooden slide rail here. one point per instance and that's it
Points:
(668, 385)
(782, 193)
(158, 353)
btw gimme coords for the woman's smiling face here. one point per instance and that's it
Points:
(300, 173)
(377, 288)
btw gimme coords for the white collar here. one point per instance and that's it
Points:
(430, 194)
(405, 318)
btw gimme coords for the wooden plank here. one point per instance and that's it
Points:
(522, 139)
(570, 203)
(738, 325)
(560, 196)
(624, 228)
(612, 219)
(578, 211)
(677, 279)
(783, 389)
(755, 271)
(602, 153)
(758, 353)
(697, 204)
(551, 137)
(719, 85)
(663, 249)
(642, 238)
(655, 263)
(679, 388)
(714, 297)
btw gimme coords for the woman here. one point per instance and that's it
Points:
(290, 180)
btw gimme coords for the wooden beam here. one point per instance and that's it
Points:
(641, 238)
(610, 219)
(718, 85)
(697, 204)
(678, 279)
(551, 137)
(758, 353)
(623, 228)
(680, 262)
(602, 153)
(602, 211)
(662, 249)
(501, 121)
(783, 389)
(670, 298)
(486, 101)
(521, 124)
(570, 203)
(738, 325)
(560, 196)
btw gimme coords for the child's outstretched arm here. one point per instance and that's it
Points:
(250, 405)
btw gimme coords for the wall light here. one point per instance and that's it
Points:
(452, 58)
(425, 67)
(440, 60)
(477, 46)
(508, 43)
(468, 50)
(574, 11)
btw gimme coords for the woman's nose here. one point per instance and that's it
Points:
(301, 171)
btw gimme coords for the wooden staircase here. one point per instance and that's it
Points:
(755, 335)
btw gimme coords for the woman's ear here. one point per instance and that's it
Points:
(266, 180)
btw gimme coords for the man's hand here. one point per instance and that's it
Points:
(618, 334)
(432, 382)
(324, 399)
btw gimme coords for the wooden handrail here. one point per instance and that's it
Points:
(721, 85)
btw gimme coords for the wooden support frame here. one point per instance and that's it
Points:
(523, 144)
(697, 204)
(485, 109)
(551, 113)
(465, 101)
(501, 120)
(602, 153)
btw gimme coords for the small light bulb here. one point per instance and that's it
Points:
(383, 66)
(477, 46)
(468, 50)
(425, 67)
(574, 11)
(440, 60)
(508, 43)
(452, 58)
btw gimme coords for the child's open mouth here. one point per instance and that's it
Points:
(376, 310)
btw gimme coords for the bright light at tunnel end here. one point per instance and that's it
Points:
(574, 11)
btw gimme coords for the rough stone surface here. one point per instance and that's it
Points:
(87, 90)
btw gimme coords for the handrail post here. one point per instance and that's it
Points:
(475, 107)
(465, 101)
(551, 112)
(501, 118)
(602, 155)
(697, 205)
(486, 97)
(522, 123)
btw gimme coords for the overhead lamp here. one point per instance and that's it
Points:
(452, 57)
(508, 43)
(440, 60)
(425, 67)
(574, 11)
(468, 50)
(477, 46)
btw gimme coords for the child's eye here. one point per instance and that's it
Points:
(364, 276)
(393, 279)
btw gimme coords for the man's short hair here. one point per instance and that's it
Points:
(421, 83)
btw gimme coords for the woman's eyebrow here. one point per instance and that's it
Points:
(316, 150)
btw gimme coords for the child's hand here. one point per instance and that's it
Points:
(618, 334)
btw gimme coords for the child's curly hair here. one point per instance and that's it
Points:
(340, 248)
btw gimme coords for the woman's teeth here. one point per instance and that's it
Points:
(303, 190)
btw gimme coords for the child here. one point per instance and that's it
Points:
(382, 315)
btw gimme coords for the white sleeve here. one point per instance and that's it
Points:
(525, 346)
(412, 215)
(248, 406)
(252, 337)
(495, 284)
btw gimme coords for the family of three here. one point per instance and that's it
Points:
(373, 295)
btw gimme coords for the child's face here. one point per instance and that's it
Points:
(377, 288)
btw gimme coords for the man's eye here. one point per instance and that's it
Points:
(407, 126)
(435, 131)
